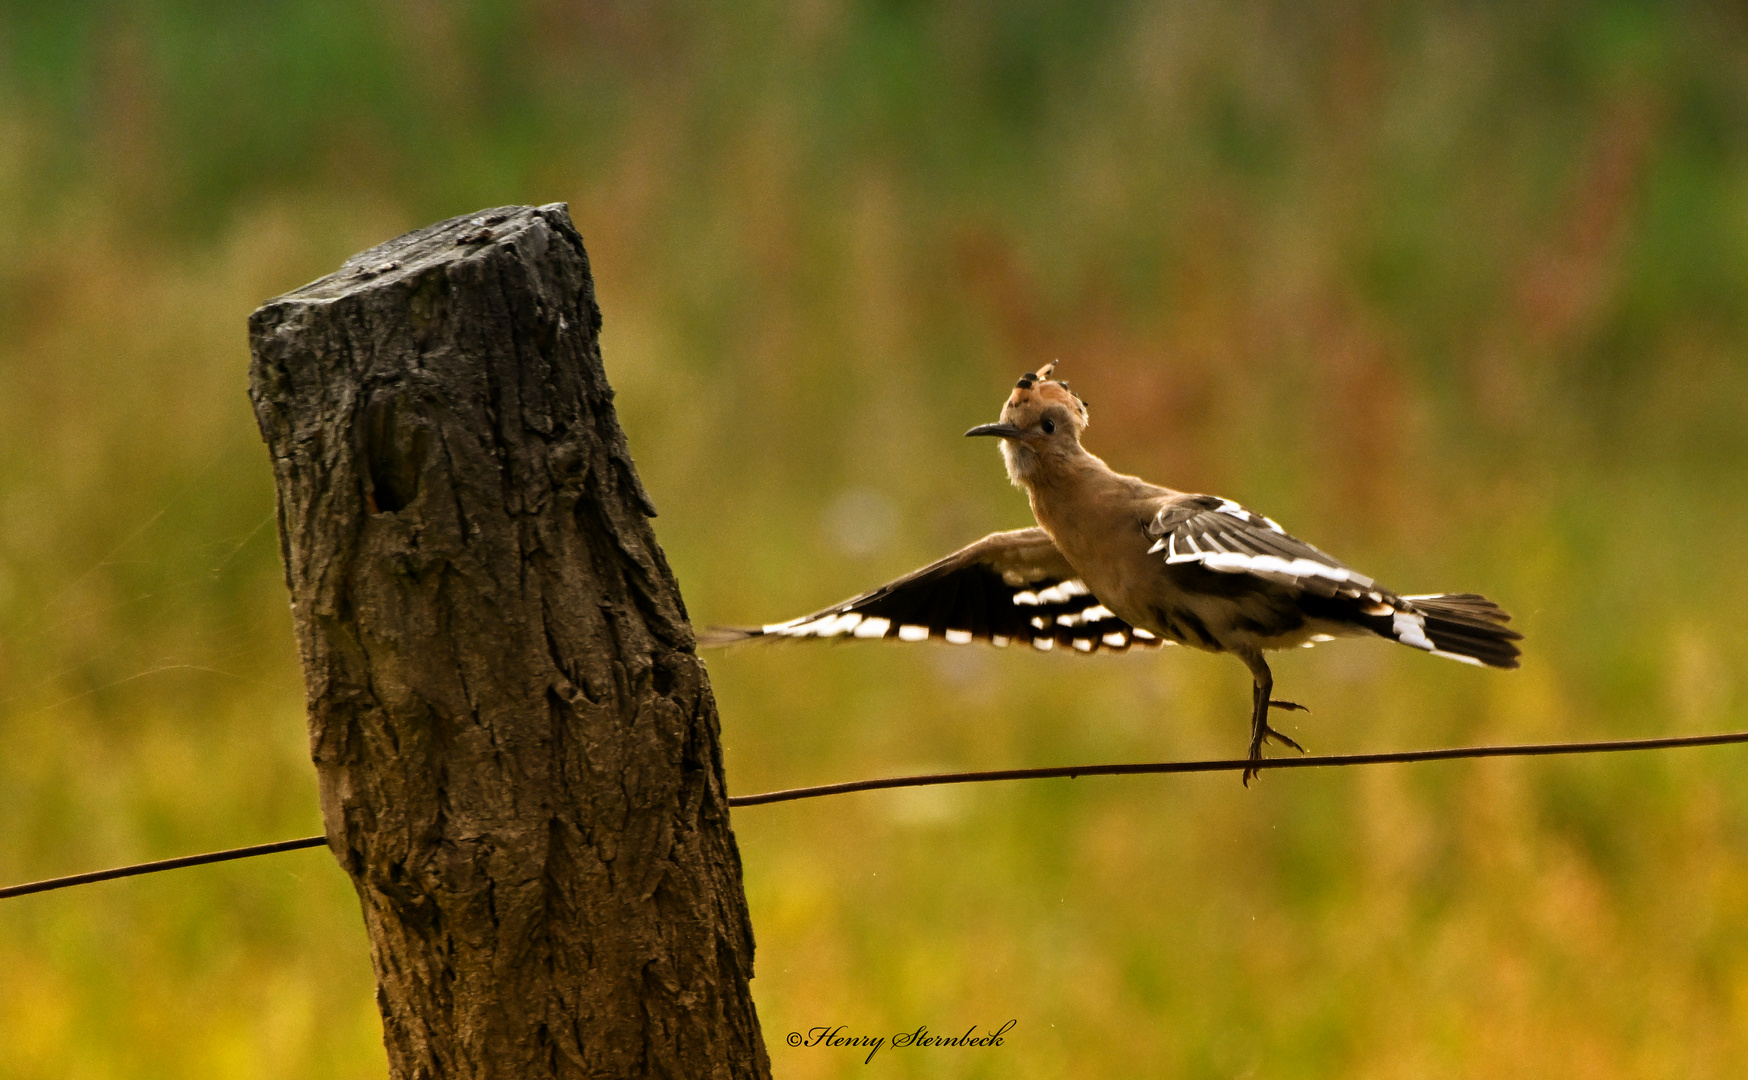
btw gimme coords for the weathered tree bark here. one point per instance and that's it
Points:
(518, 750)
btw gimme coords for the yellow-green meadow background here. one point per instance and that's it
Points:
(1457, 291)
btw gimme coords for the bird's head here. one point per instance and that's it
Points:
(1042, 419)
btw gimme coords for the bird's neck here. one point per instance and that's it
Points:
(1064, 486)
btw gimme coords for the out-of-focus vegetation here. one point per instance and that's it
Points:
(1459, 292)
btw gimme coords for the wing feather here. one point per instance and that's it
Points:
(1009, 587)
(1217, 534)
(1222, 536)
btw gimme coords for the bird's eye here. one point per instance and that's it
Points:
(1049, 426)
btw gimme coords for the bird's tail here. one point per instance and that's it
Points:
(1463, 626)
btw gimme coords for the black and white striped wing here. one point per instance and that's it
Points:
(1010, 587)
(1220, 535)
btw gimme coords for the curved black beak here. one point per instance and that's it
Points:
(1001, 431)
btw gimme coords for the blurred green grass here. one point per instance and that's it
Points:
(1459, 292)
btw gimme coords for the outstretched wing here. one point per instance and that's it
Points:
(1007, 587)
(1221, 535)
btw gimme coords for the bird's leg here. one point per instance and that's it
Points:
(1260, 732)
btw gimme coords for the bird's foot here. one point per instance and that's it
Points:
(1290, 706)
(1258, 739)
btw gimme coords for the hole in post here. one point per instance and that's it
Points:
(395, 446)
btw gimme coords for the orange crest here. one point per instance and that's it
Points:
(1038, 390)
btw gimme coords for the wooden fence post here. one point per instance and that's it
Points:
(518, 750)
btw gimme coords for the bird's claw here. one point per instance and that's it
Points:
(1285, 740)
(1262, 737)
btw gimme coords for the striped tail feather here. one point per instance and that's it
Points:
(1468, 627)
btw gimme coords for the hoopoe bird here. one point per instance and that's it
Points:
(1116, 562)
